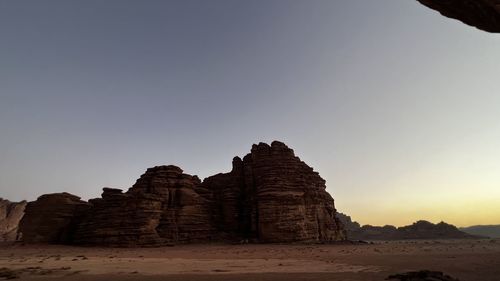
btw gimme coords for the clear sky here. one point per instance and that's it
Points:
(397, 107)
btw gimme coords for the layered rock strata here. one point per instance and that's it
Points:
(269, 196)
(483, 14)
(272, 196)
(164, 206)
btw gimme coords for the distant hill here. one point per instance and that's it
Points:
(492, 231)
(418, 230)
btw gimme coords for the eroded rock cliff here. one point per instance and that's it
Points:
(269, 196)
(164, 206)
(272, 196)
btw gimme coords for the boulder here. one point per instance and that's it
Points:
(422, 275)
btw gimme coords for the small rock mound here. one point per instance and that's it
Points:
(423, 275)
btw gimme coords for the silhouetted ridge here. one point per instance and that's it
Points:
(492, 231)
(419, 230)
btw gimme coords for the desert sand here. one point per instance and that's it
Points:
(467, 260)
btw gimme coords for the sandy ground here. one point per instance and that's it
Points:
(468, 260)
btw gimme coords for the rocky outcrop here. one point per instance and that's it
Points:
(426, 230)
(186, 208)
(269, 196)
(418, 230)
(10, 215)
(483, 14)
(52, 218)
(272, 196)
(164, 206)
(120, 219)
(423, 275)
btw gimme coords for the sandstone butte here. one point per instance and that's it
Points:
(269, 196)
(483, 14)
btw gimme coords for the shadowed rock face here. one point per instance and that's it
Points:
(483, 14)
(272, 196)
(52, 218)
(269, 196)
(10, 215)
(164, 206)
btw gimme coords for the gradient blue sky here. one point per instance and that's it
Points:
(397, 107)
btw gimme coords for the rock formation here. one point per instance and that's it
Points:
(52, 218)
(272, 196)
(164, 206)
(10, 215)
(483, 14)
(423, 275)
(426, 230)
(269, 196)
